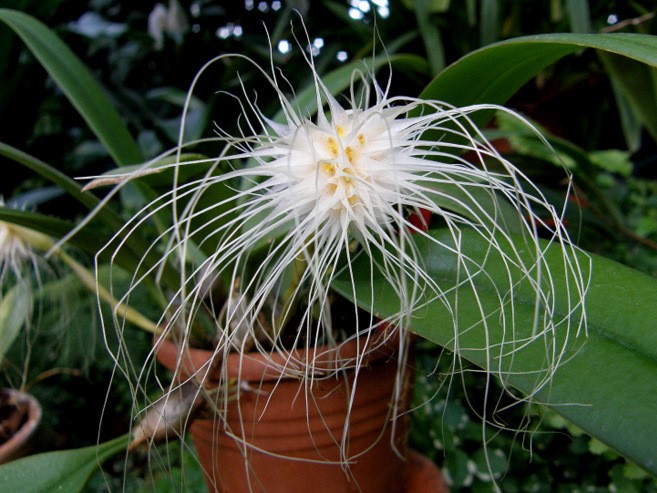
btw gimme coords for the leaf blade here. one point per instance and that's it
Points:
(496, 72)
(608, 381)
(15, 310)
(77, 83)
(66, 470)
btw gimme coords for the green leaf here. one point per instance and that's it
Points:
(433, 6)
(579, 16)
(77, 83)
(493, 74)
(49, 173)
(489, 21)
(56, 227)
(527, 142)
(638, 84)
(629, 119)
(433, 45)
(339, 79)
(66, 471)
(15, 310)
(88, 241)
(608, 381)
(469, 199)
(613, 161)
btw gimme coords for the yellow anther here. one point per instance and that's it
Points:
(328, 168)
(361, 139)
(350, 154)
(347, 174)
(333, 146)
(340, 131)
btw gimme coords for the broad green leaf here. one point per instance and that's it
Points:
(493, 74)
(66, 470)
(607, 382)
(526, 141)
(469, 199)
(77, 83)
(613, 161)
(15, 310)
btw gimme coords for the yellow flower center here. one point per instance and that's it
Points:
(341, 169)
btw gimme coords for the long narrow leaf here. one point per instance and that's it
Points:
(430, 36)
(15, 310)
(579, 16)
(88, 240)
(77, 83)
(57, 228)
(49, 173)
(489, 21)
(636, 82)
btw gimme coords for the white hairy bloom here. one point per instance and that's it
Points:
(14, 253)
(287, 207)
(22, 274)
(316, 191)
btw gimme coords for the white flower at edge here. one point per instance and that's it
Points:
(19, 262)
(20, 266)
(14, 253)
(171, 21)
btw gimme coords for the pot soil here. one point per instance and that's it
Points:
(283, 434)
(20, 415)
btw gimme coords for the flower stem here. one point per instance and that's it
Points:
(44, 242)
(89, 281)
(290, 297)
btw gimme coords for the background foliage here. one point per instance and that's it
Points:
(605, 139)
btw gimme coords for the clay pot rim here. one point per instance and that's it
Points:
(19, 438)
(267, 367)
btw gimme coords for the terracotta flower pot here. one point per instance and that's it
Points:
(20, 415)
(284, 434)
